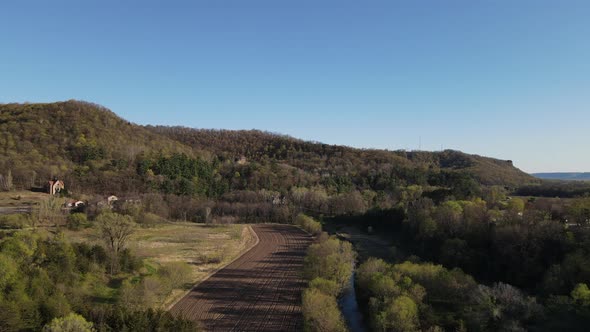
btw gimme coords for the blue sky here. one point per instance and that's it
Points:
(508, 79)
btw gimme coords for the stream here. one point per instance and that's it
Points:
(350, 309)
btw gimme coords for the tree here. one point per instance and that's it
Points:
(115, 230)
(69, 323)
(503, 307)
(321, 312)
(581, 294)
(6, 181)
(448, 216)
(401, 315)
(328, 287)
(579, 211)
(516, 205)
(9, 273)
(330, 259)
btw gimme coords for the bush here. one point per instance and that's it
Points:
(308, 224)
(129, 262)
(120, 318)
(211, 258)
(75, 221)
(149, 219)
(179, 273)
(148, 293)
(15, 221)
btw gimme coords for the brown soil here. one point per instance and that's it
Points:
(260, 291)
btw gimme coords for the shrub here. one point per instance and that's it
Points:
(75, 221)
(121, 318)
(129, 262)
(308, 224)
(149, 219)
(148, 293)
(15, 221)
(179, 273)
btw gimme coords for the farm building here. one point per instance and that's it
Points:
(55, 187)
(112, 199)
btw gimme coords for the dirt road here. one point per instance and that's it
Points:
(260, 291)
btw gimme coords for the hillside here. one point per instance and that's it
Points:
(96, 151)
(565, 176)
(42, 141)
(313, 156)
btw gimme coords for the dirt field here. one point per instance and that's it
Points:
(260, 291)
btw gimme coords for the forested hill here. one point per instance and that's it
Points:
(72, 139)
(96, 151)
(313, 156)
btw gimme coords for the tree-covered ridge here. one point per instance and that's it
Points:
(317, 157)
(95, 151)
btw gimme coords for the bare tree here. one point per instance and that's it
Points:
(6, 181)
(115, 230)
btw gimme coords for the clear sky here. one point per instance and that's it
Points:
(508, 79)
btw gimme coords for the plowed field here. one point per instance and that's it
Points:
(260, 291)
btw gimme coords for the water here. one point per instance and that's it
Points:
(350, 309)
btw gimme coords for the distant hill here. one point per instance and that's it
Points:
(96, 151)
(314, 156)
(565, 176)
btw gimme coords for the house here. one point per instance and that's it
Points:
(74, 204)
(112, 199)
(242, 160)
(55, 187)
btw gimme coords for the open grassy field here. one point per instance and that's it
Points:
(20, 201)
(20, 198)
(205, 248)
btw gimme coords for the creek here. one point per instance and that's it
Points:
(350, 310)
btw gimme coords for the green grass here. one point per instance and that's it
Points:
(21, 197)
(203, 247)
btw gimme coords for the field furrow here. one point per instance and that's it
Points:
(260, 291)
